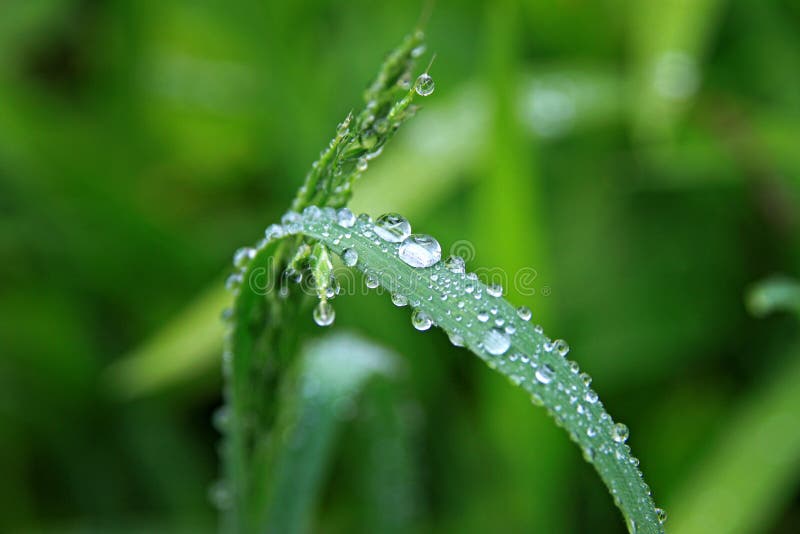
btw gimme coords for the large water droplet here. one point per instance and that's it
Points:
(524, 313)
(420, 250)
(496, 341)
(392, 227)
(620, 433)
(545, 374)
(350, 257)
(324, 314)
(424, 85)
(420, 320)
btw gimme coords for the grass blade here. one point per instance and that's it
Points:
(476, 317)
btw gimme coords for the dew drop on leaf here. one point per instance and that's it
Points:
(524, 313)
(560, 347)
(661, 514)
(496, 341)
(324, 314)
(392, 227)
(350, 257)
(399, 300)
(424, 85)
(420, 320)
(371, 280)
(455, 264)
(545, 374)
(620, 433)
(420, 250)
(345, 218)
(495, 290)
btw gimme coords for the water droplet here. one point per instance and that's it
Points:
(399, 300)
(345, 218)
(574, 367)
(587, 380)
(591, 432)
(420, 320)
(221, 419)
(274, 231)
(455, 264)
(417, 51)
(661, 514)
(291, 221)
(524, 313)
(495, 290)
(456, 340)
(371, 280)
(242, 256)
(324, 314)
(545, 374)
(233, 282)
(392, 227)
(620, 433)
(496, 342)
(420, 250)
(560, 347)
(350, 257)
(220, 496)
(590, 397)
(362, 164)
(483, 316)
(424, 85)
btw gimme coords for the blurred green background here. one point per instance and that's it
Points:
(642, 157)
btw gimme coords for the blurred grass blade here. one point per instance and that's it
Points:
(475, 316)
(751, 471)
(333, 372)
(778, 293)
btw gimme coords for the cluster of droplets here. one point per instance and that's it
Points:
(479, 318)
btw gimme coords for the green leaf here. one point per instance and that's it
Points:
(490, 327)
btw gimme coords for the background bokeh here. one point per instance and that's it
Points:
(642, 157)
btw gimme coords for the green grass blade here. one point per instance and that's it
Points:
(333, 372)
(469, 312)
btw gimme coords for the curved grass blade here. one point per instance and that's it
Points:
(477, 317)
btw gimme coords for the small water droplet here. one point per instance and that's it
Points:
(495, 290)
(274, 231)
(661, 514)
(350, 257)
(371, 280)
(324, 314)
(399, 300)
(483, 316)
(233, 282)
(496, 341)
(620, 433)
(420, 320)
(560, 347)
(456, 340)
(591, 432)
(587, 380)
(590, 397)
(455, 264)
(291, 222)
(345, 218)
(420, 250)
(392, 227)
(362, 164)
(545, 374)
(242, 256)
(424, 85)
(417, 51)
(524, 313)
